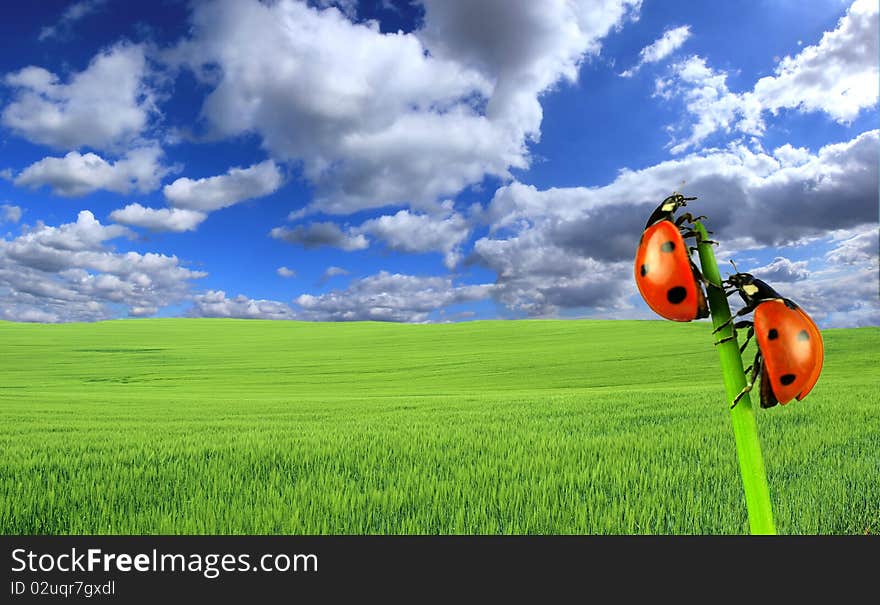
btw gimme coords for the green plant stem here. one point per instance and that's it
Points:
(745, 428)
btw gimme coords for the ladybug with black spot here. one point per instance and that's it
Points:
(667, 278)
(790, 348)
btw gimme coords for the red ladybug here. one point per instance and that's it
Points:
(667, 278)
(790, 348)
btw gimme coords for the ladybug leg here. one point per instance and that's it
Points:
(756, 369)
(698, 275)
(745, 310)
(705, 241)
(739, 326)
(688, 217)
(749, 335)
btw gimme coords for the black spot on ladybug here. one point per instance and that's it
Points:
(803, 335)
(676, 295)
(773, 334)
(644, 270)
(787, 379)
(668, 247)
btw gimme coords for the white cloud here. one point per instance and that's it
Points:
(854, 247)
(541, 277)
(841, 290)
(9, 213)
(330, 273)
(572, 248)
(87, 233)
(76, 174)
(164, 219)
(68, 273)
(839, 76)
(214, 303)
(404, 231)
(568, 250)
(389, 297)
(285, 272)
(105, 106)
(742, 191)
(708, 99)
(791, 156)
(216, 192)
(410, 232)
(396, 118)
(346, 7)
(665, 45)
(783, 270)
(29, 314)
(316, 235)
(71, 15)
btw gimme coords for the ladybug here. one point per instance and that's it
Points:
(790, 348)
(667, 278)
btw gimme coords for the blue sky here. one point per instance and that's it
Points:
(427, 161)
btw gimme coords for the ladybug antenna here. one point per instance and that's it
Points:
(734, 266)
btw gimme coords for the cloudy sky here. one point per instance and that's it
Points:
(427, 160)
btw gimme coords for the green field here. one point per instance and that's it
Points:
(227, 427)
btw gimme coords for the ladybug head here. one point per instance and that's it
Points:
(750, 288)
(667, 208)
(738, 280)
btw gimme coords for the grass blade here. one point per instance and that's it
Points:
(745, 428)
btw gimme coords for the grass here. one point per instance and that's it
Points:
(247, 427)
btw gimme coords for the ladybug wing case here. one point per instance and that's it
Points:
(819, 354)
(665, 275)
(792, 348)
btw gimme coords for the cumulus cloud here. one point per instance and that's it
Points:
(105, 106)
(75, 174)
(87, 233)
(216, 192)
(782, 270)
(163, 219)
(330, 273)
(285, 272)
(69, 17)
(346, 7)
(538, 276)
(839, 76)
(842, 288)
(845, 291)
(404, 231)
(566, 250)
(389, 297)
(853, 247)
(837, 289)
(69, 273)
(396, 118)
(9, 213)
(315, 235)
(214, 303)
(572, 248)
(411, 232)
(708, 99)
(791, 156)
(665, 45)
(752, 196)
